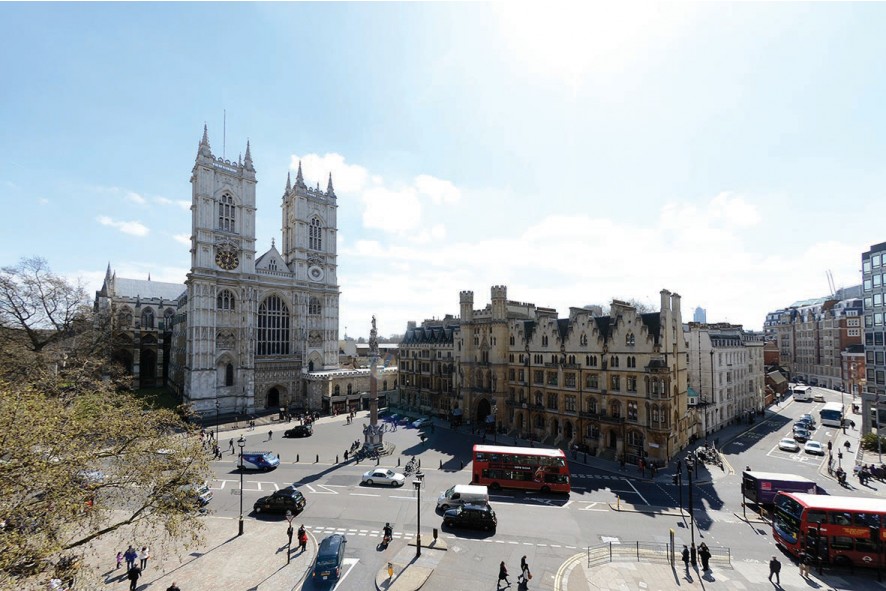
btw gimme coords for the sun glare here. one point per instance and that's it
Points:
(569, 40)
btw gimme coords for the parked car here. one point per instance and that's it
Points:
(299, 431)
(475, 516)
(286, 499)
(419, 423)
(818, 396)
(808, 418)
(802, 435)
(383, 476)
(788, 444)
(330, 557)
(814, 447)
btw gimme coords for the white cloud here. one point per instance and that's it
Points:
(131, 228)
(183, 239)
(440, 191)
(43, 201)
(181, 203)
(391, 211)
(346, 178)
(135, 197)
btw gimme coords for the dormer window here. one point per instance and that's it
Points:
(272, 265)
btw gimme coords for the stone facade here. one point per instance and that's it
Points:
(614, 385)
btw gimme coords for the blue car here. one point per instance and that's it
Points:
(259, 460)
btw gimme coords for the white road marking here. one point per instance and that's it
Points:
(645, 502)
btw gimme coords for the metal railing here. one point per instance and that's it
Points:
(647, 552)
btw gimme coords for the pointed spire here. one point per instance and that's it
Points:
(299, 179)
(329, 190)
(272, 243)
(288, 183)
(108, 272)
(204, 149)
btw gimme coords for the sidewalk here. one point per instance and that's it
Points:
(255, 561)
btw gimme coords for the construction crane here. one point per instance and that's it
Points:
(831, 284)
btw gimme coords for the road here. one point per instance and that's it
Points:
(547, 529)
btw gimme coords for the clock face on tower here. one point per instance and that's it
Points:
(227, 260)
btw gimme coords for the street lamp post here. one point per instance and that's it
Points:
(289, 518)
(242, 443)
(417, 484)
(216, 421)
(691, 505)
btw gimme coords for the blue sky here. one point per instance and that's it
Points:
(733, 153)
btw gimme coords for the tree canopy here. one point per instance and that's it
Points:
(80, 455)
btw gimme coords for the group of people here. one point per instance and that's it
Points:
(704, 554)
(136, 563)
(522, 578)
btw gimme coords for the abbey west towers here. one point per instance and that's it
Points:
(249, 328)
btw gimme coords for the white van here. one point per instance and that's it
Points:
(463, 493)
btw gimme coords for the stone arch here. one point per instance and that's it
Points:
(554, 425)
(568, 432)
(147, 368)
(484, 409)
(273, 397)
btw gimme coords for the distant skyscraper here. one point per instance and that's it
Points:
(699, 315)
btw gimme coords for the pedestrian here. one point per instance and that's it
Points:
(133, 574)
(502, 575)
(705, 556)
(847, 445)
(692, 554)
(231, 445)
(775, 569)
(119, 559)
(173, 587)
(216, 453)
(270, 435)
(302, 539)
(130, 555)
(346, 455)
(525, 575)
(685, 556)
(143, 557)
(804, 564)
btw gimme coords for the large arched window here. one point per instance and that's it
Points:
(225, 300)
(124, 318)
(273, 327)
(314, 306)
(147, 318)
(226, 213)
(315, 235)
(168, 318)
(229, 374)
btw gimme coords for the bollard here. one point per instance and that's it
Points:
(398, 462)
(441, 464)
(317, 459)
(617, 503)
(296, 458)
(336, 459)
(419, 463)
(435, 534)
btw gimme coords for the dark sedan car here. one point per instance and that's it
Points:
(475, 516)
(287, 499)
(299, 431)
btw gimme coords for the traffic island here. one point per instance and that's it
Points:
(408, 572)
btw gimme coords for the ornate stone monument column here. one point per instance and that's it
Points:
(372, 432)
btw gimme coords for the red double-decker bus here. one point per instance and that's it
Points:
(528, 468)
(839, 530)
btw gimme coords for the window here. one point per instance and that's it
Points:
(539, 399)
(273, 327)
(552, 378)
(225, 300)
(592, 381)
(629, 340)
(124, 318)
(315, 236)
(350, 389)
(569, 380)
(632, 411)
(147, 318)
(538, 377)
(592, 405)
(615, 383)
(632, 361)
(337, 390)
(313, 307)
(631, 383)
(544, 341)
(272, 265)
(591, 360)
(583, 340)
(226, 213)
(613, 361)
(229, 374)
(552, 402)
(570, 403)
(615, 408)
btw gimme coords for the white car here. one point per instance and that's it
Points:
(383, 476)
(788, 444)
(419, 423)
(814, 447)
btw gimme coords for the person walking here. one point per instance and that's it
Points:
(130, 555)
(705, 556)
(685, 556)
(173, 587)
(775, 569)
(119, 559)
(804, 564)
(231, 445)
(270, 435)
(143, 558)
(133, 574)
(525, 575)
(502, 575)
